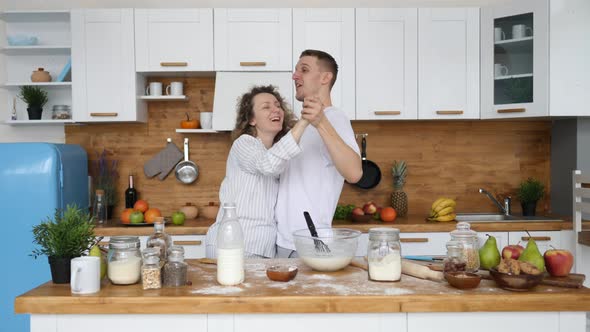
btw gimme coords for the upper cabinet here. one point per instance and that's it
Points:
(253, 39)
(514, 60)
(174, 40)
(105, 84)
(387, 63)
(448, 63)
(330, 30)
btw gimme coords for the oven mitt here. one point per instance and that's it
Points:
(163, 162)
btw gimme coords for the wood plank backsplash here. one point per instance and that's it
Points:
(450, 158)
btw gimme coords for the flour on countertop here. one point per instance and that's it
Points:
(218, 290)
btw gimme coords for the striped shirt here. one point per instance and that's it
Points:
(252, 182)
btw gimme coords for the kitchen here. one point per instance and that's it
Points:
(452, 158)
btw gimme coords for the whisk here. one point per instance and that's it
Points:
(320, 246)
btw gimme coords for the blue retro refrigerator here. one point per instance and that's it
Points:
(35, 179)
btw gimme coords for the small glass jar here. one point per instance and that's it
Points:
(124, 260)
(384, 254)
(151, 277)
(454, 261)
(469, 241)
(61, 112)
(175, 269)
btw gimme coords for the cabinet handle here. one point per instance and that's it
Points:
(104, 114)
(414, 240)
(388, 112)
(512, 110)
(449, 112)
(173, 64)
(188, 243)
(253, 64)
(536, 238)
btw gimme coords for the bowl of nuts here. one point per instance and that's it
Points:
(516, 275)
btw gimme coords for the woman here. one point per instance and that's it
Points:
(265, 138)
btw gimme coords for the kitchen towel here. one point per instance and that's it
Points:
(163, 162)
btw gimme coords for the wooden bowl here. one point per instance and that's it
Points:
(515, 282)
(281, 273)
(209, 211)
(463, 280)
(361, 219)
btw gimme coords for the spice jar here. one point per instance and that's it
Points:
(124, 260)
(150, 272)
(468, 239)
(454, 261)
(384, 254)
(175, 269)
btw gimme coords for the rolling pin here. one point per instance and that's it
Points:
(420, 271)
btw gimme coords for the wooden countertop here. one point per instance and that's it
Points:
(345, 291)
(413, 223)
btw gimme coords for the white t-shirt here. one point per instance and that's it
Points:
(311, 182)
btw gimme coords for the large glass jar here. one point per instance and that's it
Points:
(175, 269)
(384, 254)
(454, 261)
(468, 239)
(124, 260)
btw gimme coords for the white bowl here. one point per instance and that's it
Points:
(342, 243)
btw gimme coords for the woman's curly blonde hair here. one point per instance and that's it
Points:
(246, 113)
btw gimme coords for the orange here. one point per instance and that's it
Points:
(125, 216)
(141, 206)
(388, 214)
(151, 214)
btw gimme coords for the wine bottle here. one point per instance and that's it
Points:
(130, 194)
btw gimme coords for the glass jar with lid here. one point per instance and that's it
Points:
(469, 241)
(61, 112)
(124, 260)
(454, 261)
(175, 269)
(151, 277)
(384, 254)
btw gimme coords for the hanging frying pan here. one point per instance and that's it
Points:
(186, 171)
(371, 172)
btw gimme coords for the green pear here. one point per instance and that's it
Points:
(489, 255)
(532, 255)
(95, 251)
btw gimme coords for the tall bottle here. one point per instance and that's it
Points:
(130, 194)
(160, 239)
(230, 248)
(99, 207)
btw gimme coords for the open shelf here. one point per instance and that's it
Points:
(513, 41)
(37, 122)
(37, 49)
(48, 84)
(161, 98)
(507, 77)
(197, 131)
(34, 12)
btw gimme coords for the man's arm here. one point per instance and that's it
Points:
(347, 161)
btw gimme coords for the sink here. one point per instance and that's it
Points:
(496, 217)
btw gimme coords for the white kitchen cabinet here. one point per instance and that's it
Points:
(330, 30)
(105, 84)
(194, 245)
(424, 243)
(174, 40)
(514, 64)
(448, 63)
(253, 39)
(387, 63)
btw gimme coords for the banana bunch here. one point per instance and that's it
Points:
(443, 209)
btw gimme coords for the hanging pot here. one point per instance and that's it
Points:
(186, 171)
(371, 172)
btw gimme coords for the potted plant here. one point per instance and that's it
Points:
(69, 234)
(529, 193)
(36, 98)
(105, 177)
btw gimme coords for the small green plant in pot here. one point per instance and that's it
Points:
(529, 193)
(69, 234)
(36, 98)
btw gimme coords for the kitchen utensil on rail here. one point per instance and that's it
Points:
(320, 246)
(186, 171)
(371, 172)
(163, 162)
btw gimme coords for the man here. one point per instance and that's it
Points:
(313, 180)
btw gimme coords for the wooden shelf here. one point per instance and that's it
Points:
(48, 84)
(507, 77)
(197, 131)
(37, 122)
(163, 98)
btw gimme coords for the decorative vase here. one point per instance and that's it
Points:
(60, 269)
(40, 75)
(34, 112)
(528, 208)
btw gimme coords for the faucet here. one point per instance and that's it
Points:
(505, 209)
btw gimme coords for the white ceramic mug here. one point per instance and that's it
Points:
(174, 89)
(85, 275)
(499, 34)
(206, 120)
(520, 30)
(500, 70)
(154, 89)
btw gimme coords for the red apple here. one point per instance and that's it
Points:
(558, 262)
(370, 208)
(512, 251)
(357, 211)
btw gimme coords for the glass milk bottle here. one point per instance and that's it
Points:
(230, 248)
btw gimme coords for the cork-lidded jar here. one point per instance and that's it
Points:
(40, 75)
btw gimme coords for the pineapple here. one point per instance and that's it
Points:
(399, 199)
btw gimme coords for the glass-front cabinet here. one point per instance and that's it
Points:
(514, 60)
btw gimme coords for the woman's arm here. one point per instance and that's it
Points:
(253, 157)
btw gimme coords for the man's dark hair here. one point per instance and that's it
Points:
(325, 61)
